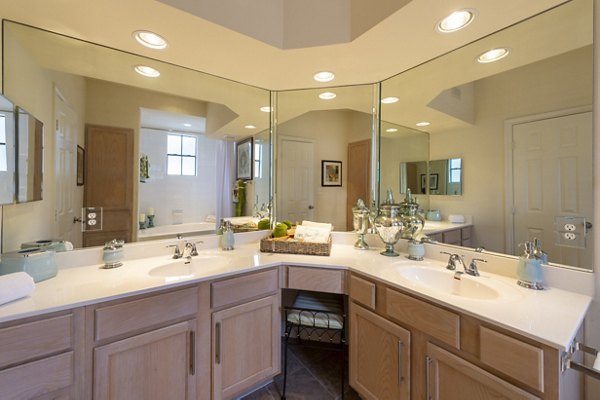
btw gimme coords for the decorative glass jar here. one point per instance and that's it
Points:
(389, 226)
(360, 222)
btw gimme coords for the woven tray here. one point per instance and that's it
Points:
(270, 245)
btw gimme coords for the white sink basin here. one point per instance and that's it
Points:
(442, 281)
(183, 269)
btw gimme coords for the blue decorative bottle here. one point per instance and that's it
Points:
(529, 269)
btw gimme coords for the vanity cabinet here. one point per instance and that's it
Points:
(145, 348)
(450, 377)
(42, 358)
(457, 237)
(245, 332)
(379, 356)
(451, 355)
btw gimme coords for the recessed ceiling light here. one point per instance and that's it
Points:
(327, 96)
(391, 130)
(389, 100)
(493, 55)
(146, 71)
(423, 123)
(324, 76)
(187, 125)
(266, 109)
(150, 39)
(455, 21)
(249, 126)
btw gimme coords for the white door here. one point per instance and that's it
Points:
(295, 184)
(551, 177)
(65, 162)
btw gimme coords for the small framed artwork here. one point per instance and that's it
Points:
(433, 181)
(80, 165)
(244, 157)
(423, 183)
(331, 173)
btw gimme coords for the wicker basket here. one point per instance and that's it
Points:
(270, 245)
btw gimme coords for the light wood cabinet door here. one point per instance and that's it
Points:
(379, 356)
(449, 377)
(156, 365)
(246, 346)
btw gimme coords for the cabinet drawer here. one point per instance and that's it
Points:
(34, 379)
(316, 279)
(436, 322)
(35, 339)
(513, 357)
(139, 314)
(452, 237)
(363, 291)
(234, 290)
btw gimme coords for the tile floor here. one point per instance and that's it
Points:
(313, 374)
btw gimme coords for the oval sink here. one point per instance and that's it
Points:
(184, 269)
(442, 281)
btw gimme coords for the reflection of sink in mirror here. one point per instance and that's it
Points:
(442, 281)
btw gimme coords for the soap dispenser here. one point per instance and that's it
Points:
(538, 252)
(228, 239)
(529, 269)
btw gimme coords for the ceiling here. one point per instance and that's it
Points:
(404, 39)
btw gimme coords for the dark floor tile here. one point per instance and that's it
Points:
(313, 374)
(302, 385)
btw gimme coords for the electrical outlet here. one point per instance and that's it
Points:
(570, 227)
(569, 236)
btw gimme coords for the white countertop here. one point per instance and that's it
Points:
(432, 227)
(551, 316)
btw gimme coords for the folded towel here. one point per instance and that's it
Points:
(68, 246)
(312, 234)
(14, 286)
(318, 225)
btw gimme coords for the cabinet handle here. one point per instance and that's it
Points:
(428, 377)
(400, 351)
(218, 343)
(192, 353)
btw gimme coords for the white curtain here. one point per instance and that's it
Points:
(225, 179)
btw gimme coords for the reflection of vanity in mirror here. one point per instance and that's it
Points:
(521, 127)
(117, 116)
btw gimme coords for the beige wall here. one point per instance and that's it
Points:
(32, 88)
(331, 132)
(534, 89)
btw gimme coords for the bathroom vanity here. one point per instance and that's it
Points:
(211, 328)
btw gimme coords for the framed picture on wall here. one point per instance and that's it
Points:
(331, 173)
(80, 165)
(244, 159)
(433, 181)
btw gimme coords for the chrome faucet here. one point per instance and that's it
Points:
(454, 260)
(189, 249)
(472, 269)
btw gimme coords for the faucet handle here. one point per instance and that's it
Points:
(177, 253)
(194, 249)
(472, 270)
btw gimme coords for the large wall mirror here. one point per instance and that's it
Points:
(521, 127)
(321, 130)
(100, 114)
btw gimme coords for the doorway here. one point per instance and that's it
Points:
(296, 182)
(68, 197)
(551, 176)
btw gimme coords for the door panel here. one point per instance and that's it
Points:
(551, 177)
(359, 177)
(296, 186)
(109, 181)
